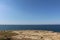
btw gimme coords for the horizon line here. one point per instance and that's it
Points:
(29, 24)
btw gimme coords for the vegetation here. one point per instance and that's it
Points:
(6, 35)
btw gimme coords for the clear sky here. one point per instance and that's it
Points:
(29, 11)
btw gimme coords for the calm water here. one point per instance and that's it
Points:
(31, 27)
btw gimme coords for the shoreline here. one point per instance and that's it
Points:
(32, 34)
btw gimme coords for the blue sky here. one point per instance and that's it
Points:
(29, 11)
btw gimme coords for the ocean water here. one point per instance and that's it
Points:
(55, 28)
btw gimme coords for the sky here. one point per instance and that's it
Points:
(29, 11)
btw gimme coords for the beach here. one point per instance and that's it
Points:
(31, 35)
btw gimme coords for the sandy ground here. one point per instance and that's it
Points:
(36, 35)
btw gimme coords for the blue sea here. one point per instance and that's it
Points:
(55, 28)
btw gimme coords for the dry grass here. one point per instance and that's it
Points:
(6, 34)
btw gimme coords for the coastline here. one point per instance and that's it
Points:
(32, 34)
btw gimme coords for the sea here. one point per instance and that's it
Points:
(55, 28)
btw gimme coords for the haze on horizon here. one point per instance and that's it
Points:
(29, 11)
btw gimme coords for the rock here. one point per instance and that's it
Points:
(37, 35)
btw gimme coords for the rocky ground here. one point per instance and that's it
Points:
(36, 35)
(32, 35)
